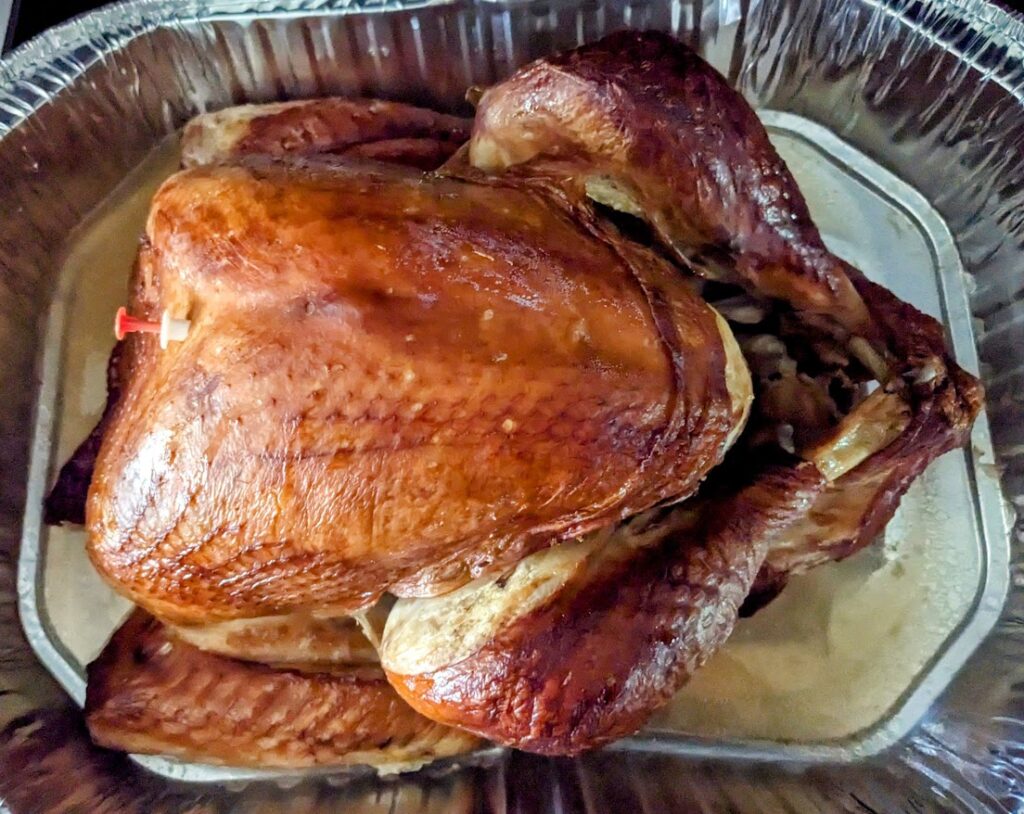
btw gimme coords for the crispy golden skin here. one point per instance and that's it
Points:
(151, 693)
(645, 125)
(639, 122)
(579, 644)
(558, 379)
(356, 128)
(392, 382)
(353, 128)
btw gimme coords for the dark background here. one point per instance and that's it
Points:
(32, 16)
(29, 17)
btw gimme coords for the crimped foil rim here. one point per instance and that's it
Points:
(54, 50)
(51, 63)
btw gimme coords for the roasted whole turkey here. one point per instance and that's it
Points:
(482, 430)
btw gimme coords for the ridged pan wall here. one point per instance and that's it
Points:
(934, 91)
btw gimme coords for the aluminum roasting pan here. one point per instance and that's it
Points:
(932, 91)
(868, 644)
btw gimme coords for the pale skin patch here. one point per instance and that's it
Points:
(426, 634)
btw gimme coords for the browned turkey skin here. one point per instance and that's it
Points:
(151, 692)
(555, 648)
(641, 124)
(356, 128)
(577, 647)
(433, 380)
(287, 691)
(367, 128)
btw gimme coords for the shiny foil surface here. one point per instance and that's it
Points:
(914, 109)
